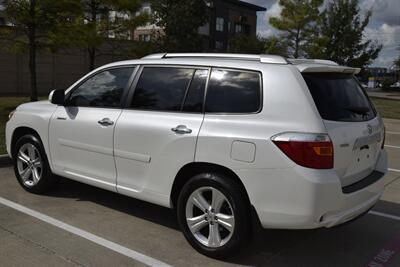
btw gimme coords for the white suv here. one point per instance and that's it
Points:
(222, 138)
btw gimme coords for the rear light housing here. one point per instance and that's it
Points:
(311, 150)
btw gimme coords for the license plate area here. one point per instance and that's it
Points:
(362, 142)
(364, 157)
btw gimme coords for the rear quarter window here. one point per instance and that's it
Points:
(339, 97)
(233, 91)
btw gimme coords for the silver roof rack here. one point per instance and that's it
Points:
(273, 59)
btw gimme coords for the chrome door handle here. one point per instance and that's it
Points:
(106, 122)
(181, 129)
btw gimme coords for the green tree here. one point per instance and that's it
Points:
(397, 62)
(341, 35)
(297, 21)
(180, 21)
(258, 45)
(35, 25)
(246, 44)
(276, 46)
(102, 19)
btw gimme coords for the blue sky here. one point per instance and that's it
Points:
(384, 25)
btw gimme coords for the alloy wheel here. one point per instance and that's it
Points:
(210, 217)
(29, 164)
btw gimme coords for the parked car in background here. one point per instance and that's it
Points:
(396, 85)
(222, 138)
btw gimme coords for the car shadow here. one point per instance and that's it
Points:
(300, 247)
(67, 188)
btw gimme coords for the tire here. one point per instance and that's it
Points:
(31, 166)
(217, 218)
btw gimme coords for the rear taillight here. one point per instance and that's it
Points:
(383, 138)
(306, 149)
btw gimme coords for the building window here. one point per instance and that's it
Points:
(147, 10)
(238, 28)
(242, 28)
(219, 45)
(144, 37)
(219, 24)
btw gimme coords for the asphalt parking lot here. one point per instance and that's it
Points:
(79, 225)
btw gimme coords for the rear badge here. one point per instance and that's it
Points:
(369, 128)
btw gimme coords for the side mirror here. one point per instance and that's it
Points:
(57, 97)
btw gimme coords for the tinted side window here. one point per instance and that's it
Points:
(161, 88)
(105, 89)
(231, 91)
(195, 95)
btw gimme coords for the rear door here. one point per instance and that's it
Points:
(351, 121)
(157, 132)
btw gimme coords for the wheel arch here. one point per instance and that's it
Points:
(193, 168)
(19, 132)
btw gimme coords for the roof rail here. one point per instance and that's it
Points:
(296, 61)
(273, 59)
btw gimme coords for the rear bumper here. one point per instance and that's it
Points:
(302, 198)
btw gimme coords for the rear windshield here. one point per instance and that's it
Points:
(339, 97)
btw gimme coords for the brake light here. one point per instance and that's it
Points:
(383, 138)
(306, 149)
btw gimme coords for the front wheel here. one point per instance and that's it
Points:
(31, 166)
(214, 215)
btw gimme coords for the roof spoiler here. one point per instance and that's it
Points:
(328, 68)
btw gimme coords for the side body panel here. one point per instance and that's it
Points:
(81, 148)
(35, 116)
(148, 154)
(287, 106)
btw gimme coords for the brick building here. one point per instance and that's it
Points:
(228, 18)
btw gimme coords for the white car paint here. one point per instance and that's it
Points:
(140, 156)
(81, 148)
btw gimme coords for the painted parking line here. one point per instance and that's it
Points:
(386, 253)
(386, 215)
(393, 170)
(86, 235)
(392, 146)
(389, 132)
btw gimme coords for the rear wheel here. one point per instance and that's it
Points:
(31, 166)
(213, 214)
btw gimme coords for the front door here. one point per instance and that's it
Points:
(81, 132)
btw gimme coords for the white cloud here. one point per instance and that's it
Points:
(389, 37)
(385, 34)
(383, 11)
(384, 25)
(273, 11)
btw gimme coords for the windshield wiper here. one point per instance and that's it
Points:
(358, 110)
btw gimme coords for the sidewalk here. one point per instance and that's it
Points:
(384, 95)
(392, 179)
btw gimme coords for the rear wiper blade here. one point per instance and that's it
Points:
(358, 110)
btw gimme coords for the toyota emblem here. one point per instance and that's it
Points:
(369, 128)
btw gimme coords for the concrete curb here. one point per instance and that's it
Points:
(5, 160)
